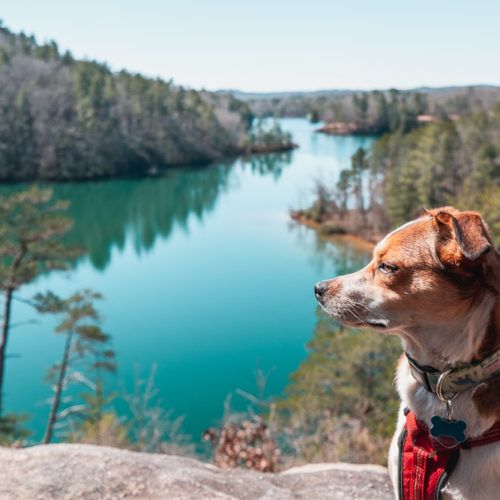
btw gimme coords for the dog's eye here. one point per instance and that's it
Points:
(387, 268)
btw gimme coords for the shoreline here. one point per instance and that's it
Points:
(346, 128)
(273, 148)
(354, 239)
(155, 171)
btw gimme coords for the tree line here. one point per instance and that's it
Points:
(63, 118)
(378, 111)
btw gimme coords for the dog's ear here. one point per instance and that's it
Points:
(466, 230)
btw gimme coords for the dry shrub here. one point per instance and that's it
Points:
(332, 439)
(248, 444)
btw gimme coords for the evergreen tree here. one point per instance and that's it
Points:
(31, 229)
(83, 338)
(343, 189)
(359, 164)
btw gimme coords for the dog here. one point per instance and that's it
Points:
(435, 282)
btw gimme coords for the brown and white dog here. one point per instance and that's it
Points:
(435, 282)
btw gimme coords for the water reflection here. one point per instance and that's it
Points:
(269, 164)
(107, 213)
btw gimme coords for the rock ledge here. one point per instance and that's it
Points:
(70, 471)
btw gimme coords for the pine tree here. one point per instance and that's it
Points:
(359, 164)
(343, 189)
(83, 338)
(31, 230)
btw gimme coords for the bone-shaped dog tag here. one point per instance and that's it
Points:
(448, 428)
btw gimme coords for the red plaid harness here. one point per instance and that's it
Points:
(425, 464)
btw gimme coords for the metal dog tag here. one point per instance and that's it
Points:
(449, 427)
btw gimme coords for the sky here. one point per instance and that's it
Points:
(276, 45)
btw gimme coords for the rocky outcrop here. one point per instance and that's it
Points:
(349, 128)
(71, 471)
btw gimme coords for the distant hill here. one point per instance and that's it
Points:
(373, 111)
(250, 96)
(245, 96)
(62, 118)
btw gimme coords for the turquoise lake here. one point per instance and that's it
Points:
(203, 274)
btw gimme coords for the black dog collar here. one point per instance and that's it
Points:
(446, 384)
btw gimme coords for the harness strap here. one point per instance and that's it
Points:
(425, 464)
(490, 436)
(424, 470)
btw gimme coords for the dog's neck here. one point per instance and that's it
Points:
(464, 339)
(460, 343)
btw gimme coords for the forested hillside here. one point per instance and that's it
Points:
(442, 163)
(377, 111)
(62, 118)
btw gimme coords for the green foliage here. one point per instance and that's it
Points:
(440, 164)
(423, 169)
(13, 430)
(359, 164)
(31, 231)
(322, 205)
(329, 204)
(487, 202)
(108, 430)
(447, 162)
(344, 384)
(266, 135)
(85, 340)
(78, 315)
(343, 188)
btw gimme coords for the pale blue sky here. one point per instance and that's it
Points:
(260, 45)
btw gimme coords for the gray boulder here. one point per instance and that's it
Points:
(73, 471)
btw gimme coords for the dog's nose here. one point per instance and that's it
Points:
(320, 288)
